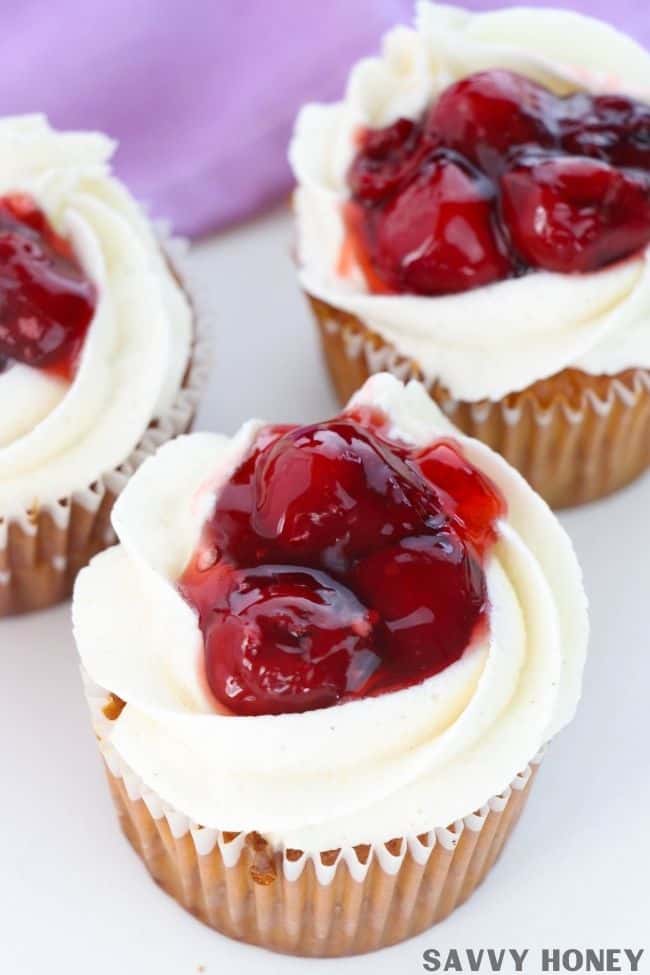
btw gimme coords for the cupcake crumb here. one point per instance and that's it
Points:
(262, 868)
(113, 707)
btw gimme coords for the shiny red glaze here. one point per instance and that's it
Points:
(339, 564)
(388, 159)
(467, 497)
(487, 114)
(572, 214)
(613, 128)
(331, 491)
(438, 236)
(46, 301)
(429, 214)
(282, 639)
(430, 592)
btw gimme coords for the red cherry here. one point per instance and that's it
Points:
(421, 216)
(613, 128)
(430, 592)
(387, 159)
(487, 114)
(334, 490)
(572, 214)
(465, 495)
(437, 235)
(46, 302)
(229, 530)
(281, 639)
(339, 563)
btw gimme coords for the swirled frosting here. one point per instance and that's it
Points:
(56, 436)
(363, 771)
(500, 338)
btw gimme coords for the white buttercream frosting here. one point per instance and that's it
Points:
(364, 771)
(501, 338)
(58, 437)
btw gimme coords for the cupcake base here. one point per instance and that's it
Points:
(41, 554)
(42, 551)
(574, 437)
(40, 559)
(343, 902)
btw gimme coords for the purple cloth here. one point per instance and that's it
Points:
(202, 94)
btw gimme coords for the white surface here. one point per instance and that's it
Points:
(73, 896)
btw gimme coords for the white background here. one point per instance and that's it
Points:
(75, 899)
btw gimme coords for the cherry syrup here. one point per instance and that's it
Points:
(46, 301)
(340, 564)
(500, 177)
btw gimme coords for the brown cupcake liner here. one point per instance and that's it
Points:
(340, 902)
(574, 437)
(43, 549)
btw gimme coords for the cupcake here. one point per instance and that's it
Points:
(100, 358)
(323, 664)
(475, 213)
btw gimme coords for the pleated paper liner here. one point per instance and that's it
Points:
(42, 551)
(574, 437)
(341, 902)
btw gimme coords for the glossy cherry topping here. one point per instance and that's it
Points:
(573, 214)
(283, 638)
(608, 127)
(46, 301)
(442, 222)
(434, 205)
(388, 159)
(487, 114)
(339, 564)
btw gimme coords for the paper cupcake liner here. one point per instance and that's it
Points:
(43, 549)
(574, 437)
(339, 902)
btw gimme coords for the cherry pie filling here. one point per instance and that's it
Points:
(339, 564)
(46, 300)
(499, 178)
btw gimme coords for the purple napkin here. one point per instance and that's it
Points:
(202, 95)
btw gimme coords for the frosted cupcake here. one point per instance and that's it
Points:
(476, 213)
(99, 361)
(323, 663)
